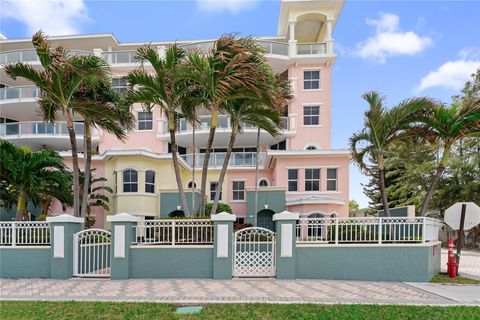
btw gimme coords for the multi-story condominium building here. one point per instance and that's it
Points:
(298, 172)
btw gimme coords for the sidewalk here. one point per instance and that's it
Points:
(190, 291)
(469, 263)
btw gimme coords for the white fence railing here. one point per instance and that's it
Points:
(23, 233)
(174, 232)
(367, 230)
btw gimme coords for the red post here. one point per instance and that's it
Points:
(449, 255)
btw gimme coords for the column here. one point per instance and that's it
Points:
(62, 229)
(98, 52)
(123, 234)
(292, 42)
(223, 245)
(285, 225)
(328, 37)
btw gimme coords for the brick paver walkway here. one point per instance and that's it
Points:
(218, 291)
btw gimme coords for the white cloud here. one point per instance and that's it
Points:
(54, 17)
(389, 40)
(233, 6)
(453, 74)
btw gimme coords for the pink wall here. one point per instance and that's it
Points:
(317, 135)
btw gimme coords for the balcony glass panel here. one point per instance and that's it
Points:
(274, 47)
(38, 127)
(19, 92)
(311, 48)
(237, 159)
(120, 57)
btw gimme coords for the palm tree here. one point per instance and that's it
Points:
(61, 77)
(381, 128)
(443, 126)
(162, 89)
(95, 197)
(29, 175)
(231, 70)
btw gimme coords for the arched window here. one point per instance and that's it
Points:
(311, 148)
(130, 181)
(192, 184)
(150, 181)
(263, 183)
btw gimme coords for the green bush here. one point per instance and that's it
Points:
(222, 207)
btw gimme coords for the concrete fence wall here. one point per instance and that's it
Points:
(373, 262)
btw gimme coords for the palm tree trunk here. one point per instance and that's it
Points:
(224, 170)
(256, 177)
(206, 159)
(193, 169)
(76, 180)
(87, 170)
(383, 192)
(22, 210)
(440, 169)
(176, 168)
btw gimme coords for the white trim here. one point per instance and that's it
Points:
(286, 241)
(260, 179)
(373, 245)
(149, 246)
(321, 152)
(222, 241)
(285, 215)
(58, 242)
(122, 217)
(223, 216)
(119, 241)
(65, 218)
(127, 194)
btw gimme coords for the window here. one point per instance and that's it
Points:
(119, 84)
(238, 190)
(311, 115)
(332, 179)
(292, 179)
(192, 184)
(240, 220)
(150, 181)
(213, 189)
(263, 183)
(145, 120)
(312, 179)
(311, 79)
(282, 145)
(311, 148)
(115, 181)
(130, 181)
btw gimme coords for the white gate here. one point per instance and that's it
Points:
(254, 253)
(91, 253)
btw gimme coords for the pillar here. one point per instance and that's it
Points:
(223, 245)
(123, 234)
(62, 229)
(285, 226)
(292, 42)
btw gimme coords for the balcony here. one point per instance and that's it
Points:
(275, 48)
(311, 49)
(237, 159)
(120, 57)
(248, 137)
(38, 134)
(30, 56)
(16, 94)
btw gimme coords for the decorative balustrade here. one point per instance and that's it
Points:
(25, 233)
(20, 92)
(174, 232)
(38, 128)
(311, 48)
(237, 159)
(367, 230)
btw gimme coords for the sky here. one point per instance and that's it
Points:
(399, 48)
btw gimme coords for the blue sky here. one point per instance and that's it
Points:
(400, 48)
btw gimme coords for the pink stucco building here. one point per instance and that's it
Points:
(299, 171)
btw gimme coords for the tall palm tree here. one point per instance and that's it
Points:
(231, 70)
(60, 78)
(444, 126)
(381, 128)
(29, 175)
(164, 90)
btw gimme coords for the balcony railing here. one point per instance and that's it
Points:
(204, 46)
(272, 47)
(116, 57)
(237, 159)
(30, 55)
(223, 122)
(14, 93)
(311, 48)
(38, 128)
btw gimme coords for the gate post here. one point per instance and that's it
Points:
(223, 245)
(62, 229)
(123, 234)
(285, 225)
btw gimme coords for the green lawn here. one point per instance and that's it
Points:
(443, 278)
(105, 310)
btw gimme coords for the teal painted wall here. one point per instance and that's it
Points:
(170, 200)
(223, 267)
(62, 268)
(9, 214)
(285, 266)
(21, 262)
(381, 263)
(120, 267)
(395, 212)
(274, 198)
(171, 262)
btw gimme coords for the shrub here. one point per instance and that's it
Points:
(240, 226)
(222, 207)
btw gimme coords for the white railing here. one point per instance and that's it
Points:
(237, 159)
(23, 233)
(115, 57)
(272, 47)
(30, 55)
(311, 48)
(20, 92)
(174, 232)
(38, 128)
(367, 230)
(203, 46)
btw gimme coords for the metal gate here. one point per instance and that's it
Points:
(254, 253)
(91, 253)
